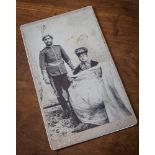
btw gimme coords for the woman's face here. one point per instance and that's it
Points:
(83, 57)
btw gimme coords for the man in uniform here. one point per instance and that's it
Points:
(52, 66)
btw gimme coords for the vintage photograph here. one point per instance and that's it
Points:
(79, 90)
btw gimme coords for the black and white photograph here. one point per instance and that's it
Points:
(79, 90)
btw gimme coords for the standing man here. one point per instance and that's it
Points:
(52, 66)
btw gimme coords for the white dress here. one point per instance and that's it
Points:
(89, 98)
(87, 95)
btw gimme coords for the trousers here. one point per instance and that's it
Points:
(61, 83)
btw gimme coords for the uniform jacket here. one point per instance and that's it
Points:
(52, 60)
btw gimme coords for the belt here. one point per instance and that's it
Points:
(55, 64)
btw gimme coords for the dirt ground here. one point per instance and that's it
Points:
(57, 124)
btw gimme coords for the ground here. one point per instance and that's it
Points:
(57, 124)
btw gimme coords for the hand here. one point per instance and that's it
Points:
(74, 84)
(70, 79)
(46, 79)
(73, 69)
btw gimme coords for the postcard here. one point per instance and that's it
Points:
(79, 90)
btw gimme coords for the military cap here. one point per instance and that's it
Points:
(81, 50)
(46, 35)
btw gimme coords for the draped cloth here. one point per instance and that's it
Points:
(90, 101)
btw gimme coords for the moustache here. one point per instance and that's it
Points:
(49, 42)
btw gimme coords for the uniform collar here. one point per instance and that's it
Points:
(50, 46)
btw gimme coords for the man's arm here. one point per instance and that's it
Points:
(43, 66)
(77, 70)
(66, 58)
(42, 61)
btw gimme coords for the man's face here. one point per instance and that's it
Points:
(83, 57)
(48, 41)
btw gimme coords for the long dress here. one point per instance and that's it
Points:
(89, 98)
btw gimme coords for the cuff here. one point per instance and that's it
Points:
(71, 65)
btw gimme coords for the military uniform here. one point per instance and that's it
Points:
(52, 60)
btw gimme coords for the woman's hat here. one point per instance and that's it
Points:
(81, 50)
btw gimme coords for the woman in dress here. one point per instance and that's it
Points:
(87, 92)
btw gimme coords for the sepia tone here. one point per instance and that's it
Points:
(123, 42)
